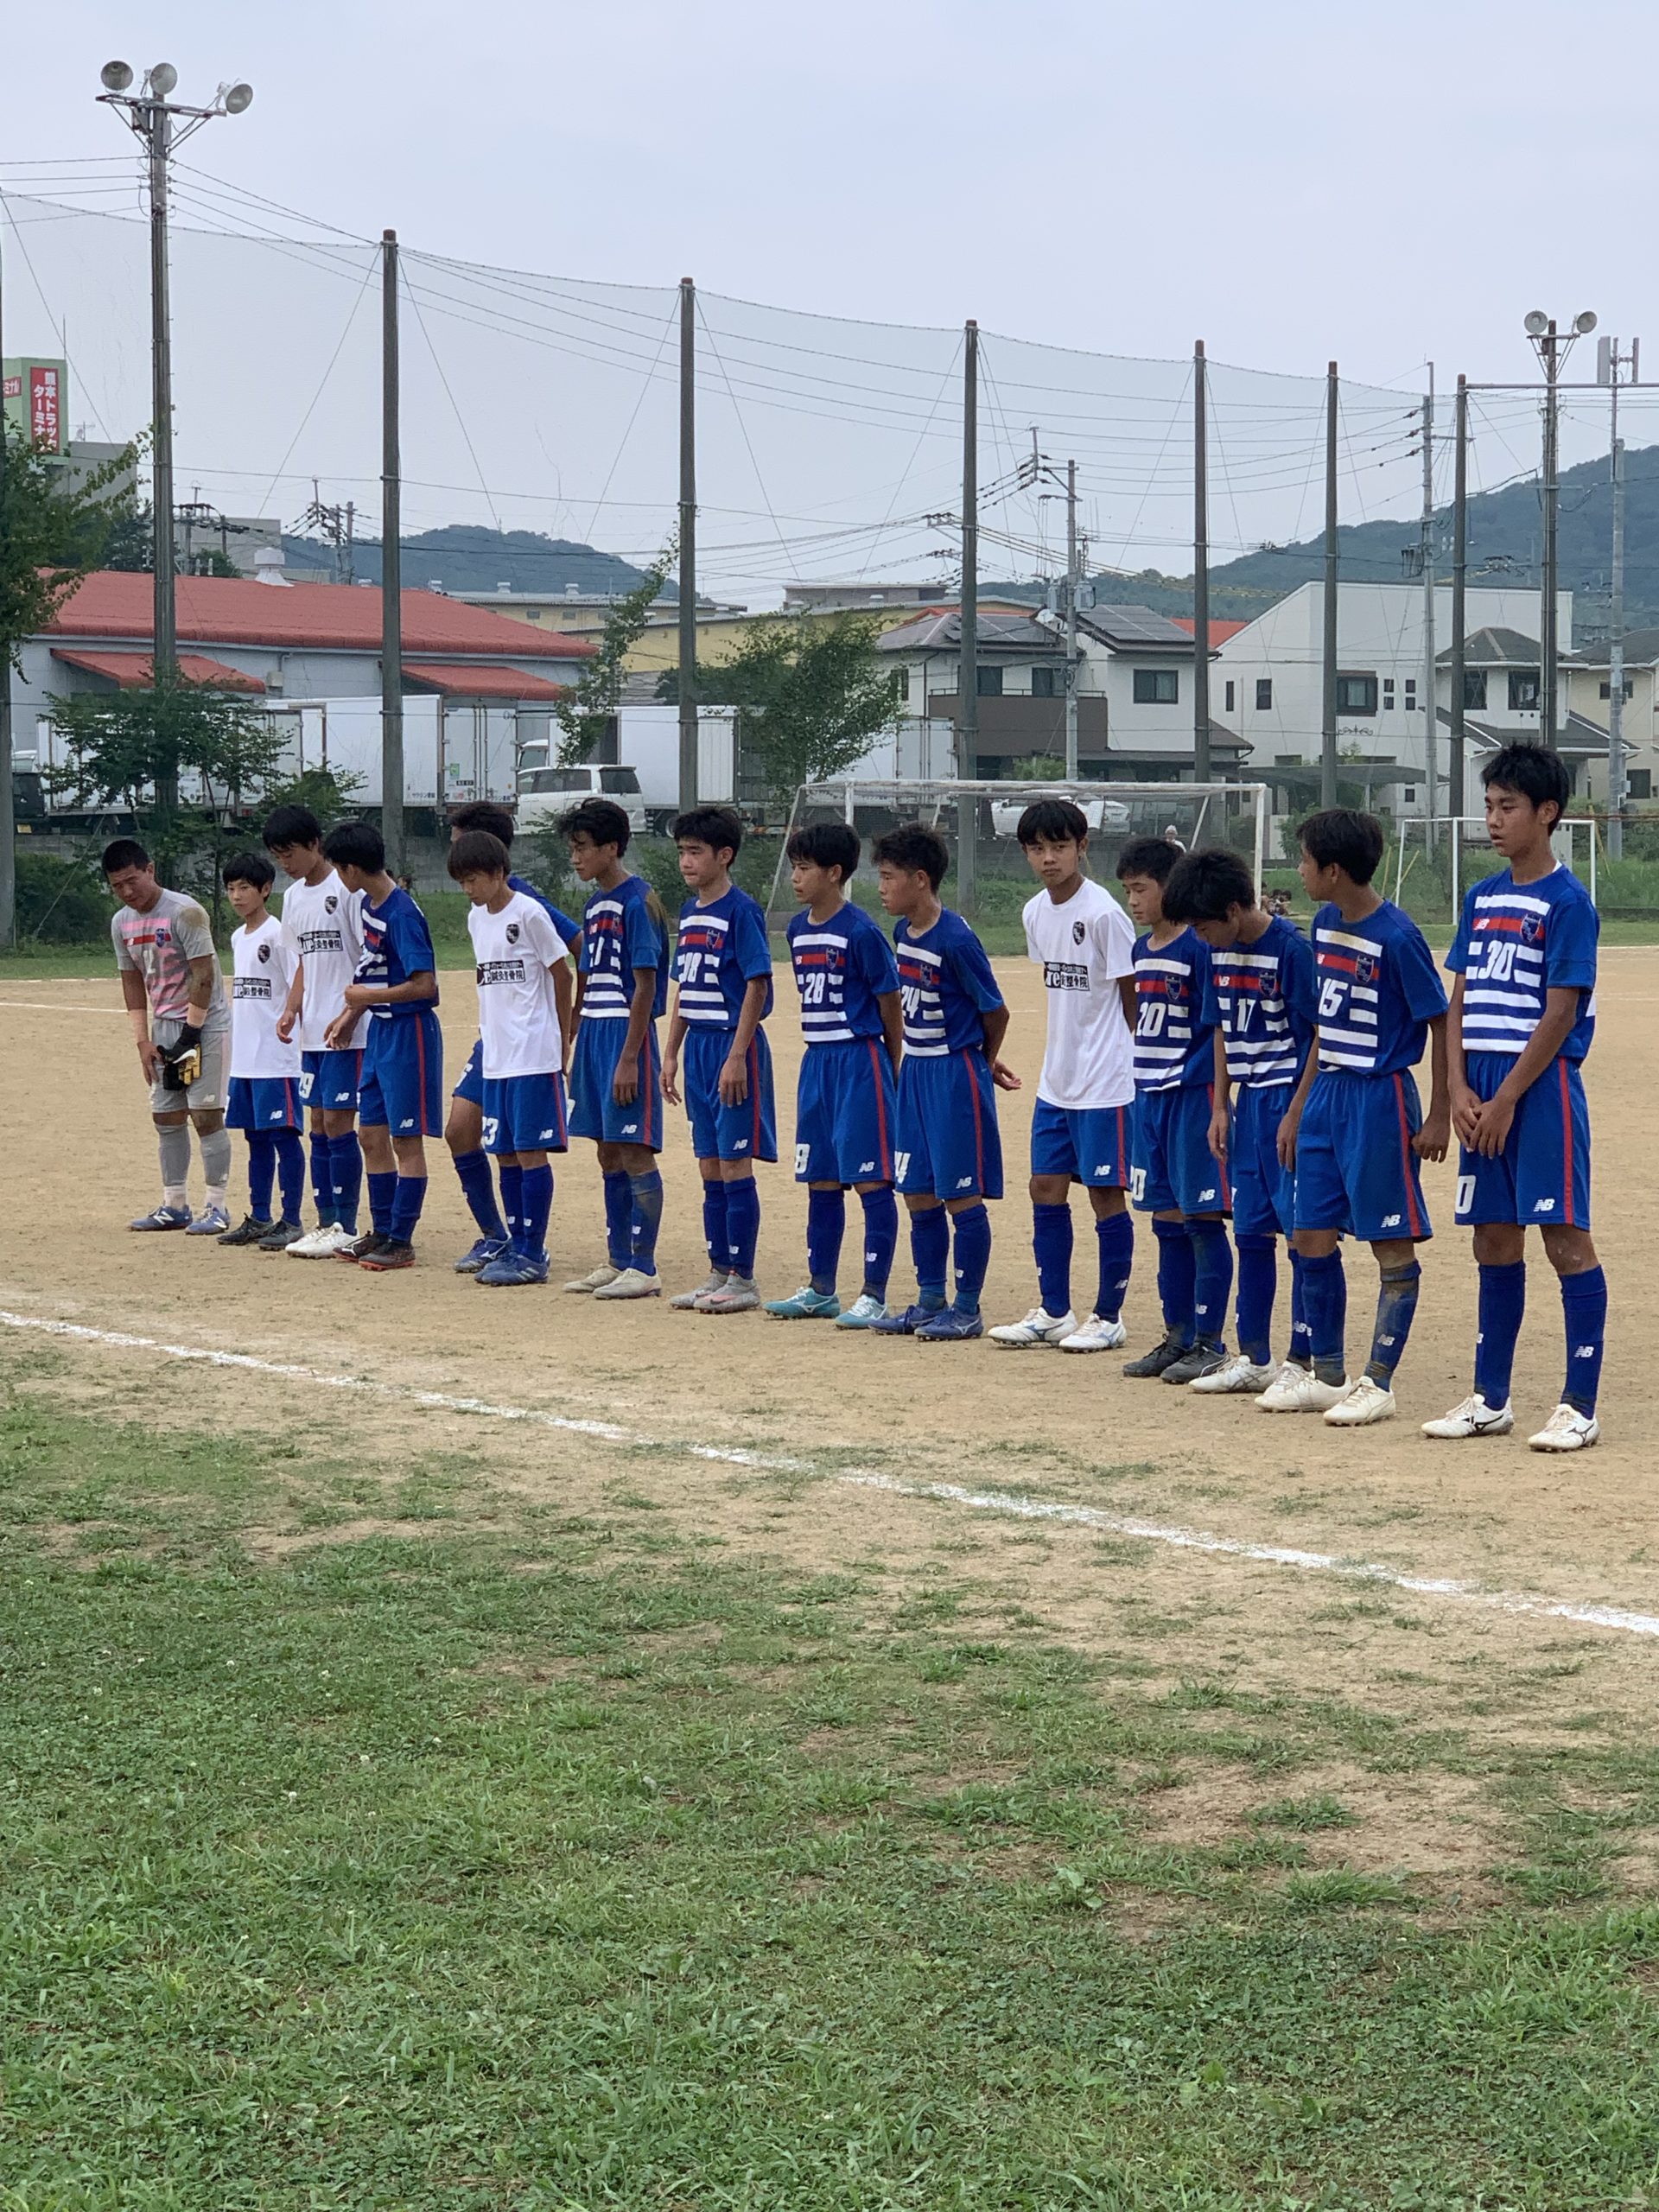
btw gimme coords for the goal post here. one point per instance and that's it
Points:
(1434, 859)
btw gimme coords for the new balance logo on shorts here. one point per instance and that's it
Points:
(1103, 1167)
(964, 1182)
(408, 1122)
(867, 1167)
(1544, 1205)
(1203, 1195)
(630, 1128)
(1390, 1221)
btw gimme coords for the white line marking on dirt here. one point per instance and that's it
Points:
(52, 1006)
(979, 1501)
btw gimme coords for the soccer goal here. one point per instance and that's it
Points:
(1434, 860)
(988, 873)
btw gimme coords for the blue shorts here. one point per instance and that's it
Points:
(402, 1075)
(845, 1112)
(1355, 1166)
(1264, 1202)
(949, 1143)
(525, 1113)
(1172, 1166)
(471, 1086)
(331, 1079)
(719, 1131)
(260, 1102)
(1089, 1143)
(1542, 1174)
(593, 1110)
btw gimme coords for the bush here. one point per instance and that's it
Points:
(61, 902)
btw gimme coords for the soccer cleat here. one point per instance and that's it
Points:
(250, 1230)
(595, 1279)
(863, 1313)
(389, 1253)
(952, 1326)
(906, 1321)
(212, 1221)
(1241, 1373)
(1038, 1327)
(806, 1304)
(509, 1269)
(1096, 1334)
(164, 1217)
(357, 1249)
(322, 1243)
(1361, 1404)
(632, 1282)
(484, 1250)
(1566, 1430)
(1474, 1417)
(1153, 1363)
(1299, 1390)
(685, 1301)
(1201, 1360)
(737, 1295)
(280, 1235)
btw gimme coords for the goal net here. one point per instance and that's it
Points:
(988, 876)
(1431, 862)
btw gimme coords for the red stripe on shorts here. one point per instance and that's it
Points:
(1566, 1148)
(1415, 1216)
(881, 1112)
(979, 1132)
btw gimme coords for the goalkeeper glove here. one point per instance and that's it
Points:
(181, 1060)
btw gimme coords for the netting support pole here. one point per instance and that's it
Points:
(1201, 574)
(1460, 604)
(391, 568)
(1431, 725)
(688, 548)
(1328, 716)
(1263, 798)
(8, 822)
(968, 682)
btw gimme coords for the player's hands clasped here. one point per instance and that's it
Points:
(1492, 1125)
(1465, 1113)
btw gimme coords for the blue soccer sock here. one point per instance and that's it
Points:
(1051, 1240)
(1301, 1334)
(322, 1179)
(973, 1236)
(262, 1171)
(930, 1254)
(716, 1235)
(382, 1190)
(1114, 1235)
(1396, 1302)
(826, 1225)
(645, 1201)
(347, 1154)
(512, 1203)
(1176, 1277)
(1213, 1270)
(1325, 1293)
(881, 1239)
(290, 1167)
(479, 1191)
(1258, 1284)
(1584, 1308)
(742, 1225)
(1502, 1308)
(407, 1196)
(618, 1218)
(535, 1208)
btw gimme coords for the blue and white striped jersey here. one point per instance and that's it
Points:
(1171, 1038)
(1261, 998)
(721, 949)
(843, 966)
(946, 987)
(1379, 990)
(1516, 942)
(619, 934)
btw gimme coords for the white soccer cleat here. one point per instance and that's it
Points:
(1474, 1417)
(1299, 1390)
(632, 1282)
(686, 1300)
(1566, 1430)
(1096, 1334)
(1241, 1373)
(1038, 1328)
(863, 1313)
(321, 1244)
(737, 1295)
(1362, 1403)
(595, 1279)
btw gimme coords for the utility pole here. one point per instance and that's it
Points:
(1609, 363)
(968, 682)
(1328, 718)
(1071, 668)
(1200, 572)
(392, 568)
(7, 813)
(1455, 798)
(1549, 643)
(1431, 725)
(687, 543)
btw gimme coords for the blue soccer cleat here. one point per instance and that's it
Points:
(806, 1304)
(483, 1252)
(509, 1269)
(906, 1321)
(863, 1313)
(213, 1221)
(953, 1326)
(164, 1217)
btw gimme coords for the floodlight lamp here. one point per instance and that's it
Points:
(1585, 323)
(162, 78)
(238, 97)
(115, 76)
(1537, 323)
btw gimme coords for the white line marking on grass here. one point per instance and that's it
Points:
(979, 1501)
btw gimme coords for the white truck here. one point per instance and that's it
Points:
(645, 778)
(451, 752)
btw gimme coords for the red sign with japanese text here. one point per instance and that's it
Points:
(43, 425)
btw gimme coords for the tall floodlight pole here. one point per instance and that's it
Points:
(392, 566)
(1328, 712)
(968, 681)
(688, 550)
(1200, 572)
(1551, 346)
(1455, 797)
(1431, 726)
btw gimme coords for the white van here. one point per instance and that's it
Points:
(545, 794)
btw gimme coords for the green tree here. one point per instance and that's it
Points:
(54, 528)
(585, 712)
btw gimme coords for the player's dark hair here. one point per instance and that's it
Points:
(717, 827)
(602, 820)
(1534, 772)
(484, 814)
(1344, 837)
(476, 852)
(912, 845)
(356, 844)
(827, 844)
(288, 826)
(1152, 856)
(249, 867)
(1204, 885)
(123, 852)
(1051, 821)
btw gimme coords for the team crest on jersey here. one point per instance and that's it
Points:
(162, 937)
(1532, 929)
(1365, 968)
(330, 903)
(1077, 933)
(513, 932)
(264, 952)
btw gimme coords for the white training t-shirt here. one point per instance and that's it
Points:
(261, 968)
(323, 923)
(517, 1013)
(1082, 947)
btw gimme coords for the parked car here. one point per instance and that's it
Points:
(1099, 813)
(544, 794)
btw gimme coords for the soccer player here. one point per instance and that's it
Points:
(323, 923)
(1174, 1175)
(622, 985)
(264, 1092)
(1355, 1130)
(1083, 940)
(464, 1130)
(846, 1100)
(722, 974)
(1261, 1002)
(950, 1153)
(391, 1002)
(175, 1002)
(1524, 1011)
(524, 1018)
